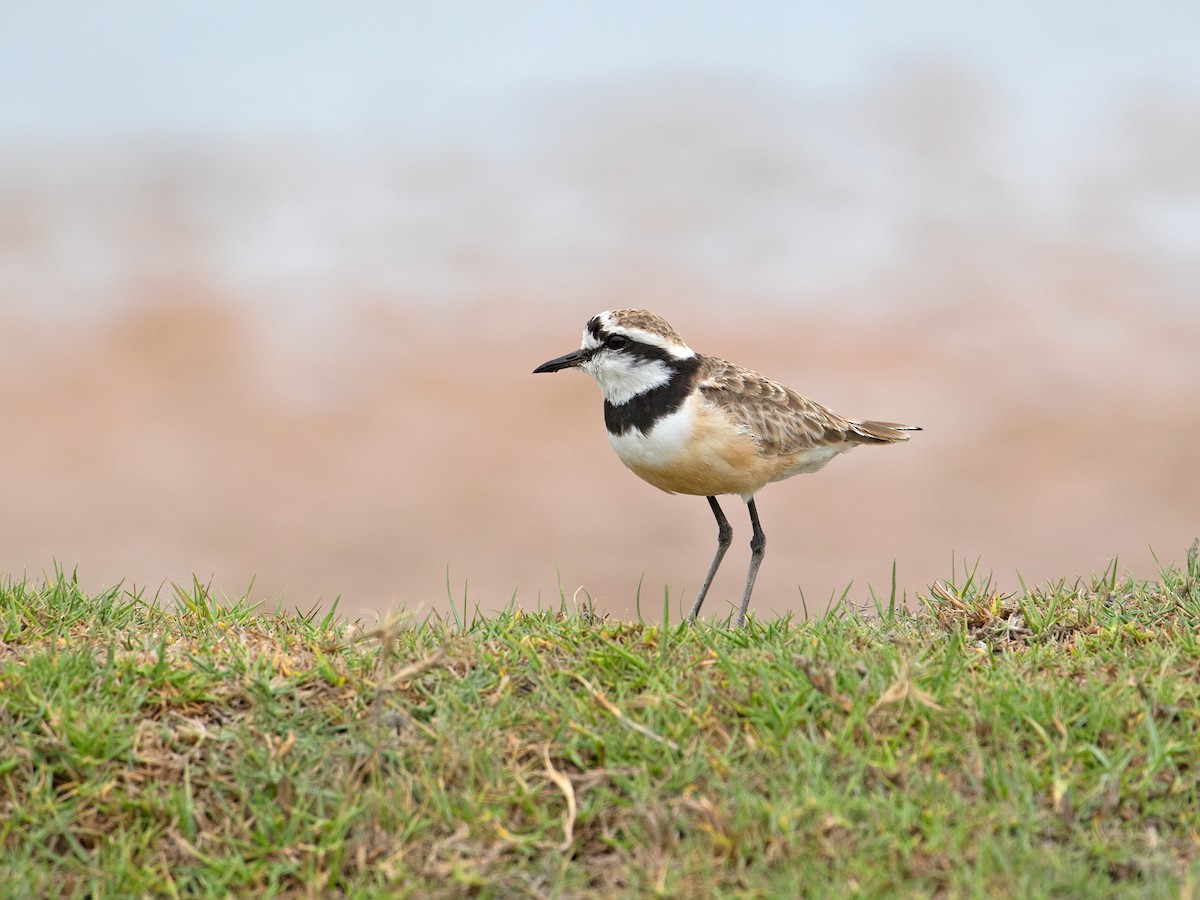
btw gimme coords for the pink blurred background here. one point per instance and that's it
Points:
(273, 279)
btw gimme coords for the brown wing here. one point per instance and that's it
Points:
(783, 421)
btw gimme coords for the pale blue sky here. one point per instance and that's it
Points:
(71, 70)
(497, 79)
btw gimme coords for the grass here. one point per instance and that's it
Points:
(1043, 744)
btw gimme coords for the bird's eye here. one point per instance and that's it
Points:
(616, 342)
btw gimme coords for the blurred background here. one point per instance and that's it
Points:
(274, 276)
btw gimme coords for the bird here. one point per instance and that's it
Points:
(693, 424)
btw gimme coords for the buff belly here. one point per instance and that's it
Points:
(696, 450)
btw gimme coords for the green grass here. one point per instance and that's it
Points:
(1046, 744)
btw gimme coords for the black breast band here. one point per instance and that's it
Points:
(643, 410)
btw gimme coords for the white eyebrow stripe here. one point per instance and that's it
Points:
(671, 348)
(676, 351)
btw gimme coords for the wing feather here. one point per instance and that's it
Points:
(783, 421)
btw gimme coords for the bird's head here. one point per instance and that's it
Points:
(627, 351)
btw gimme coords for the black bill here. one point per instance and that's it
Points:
(568, 361)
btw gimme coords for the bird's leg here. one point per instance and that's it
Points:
(758, 549)
(724, 539)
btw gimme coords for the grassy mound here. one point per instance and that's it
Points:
(1031, 745)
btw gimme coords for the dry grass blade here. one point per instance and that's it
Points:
(943, 592)
(564, 784)
(387, 630)
(902, 690)
(822, 682)
(412, 670)
(620, 716)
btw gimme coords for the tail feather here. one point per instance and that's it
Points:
(881, 432)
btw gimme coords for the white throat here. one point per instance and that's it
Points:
(621, 378)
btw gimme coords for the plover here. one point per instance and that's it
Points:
(694, 424)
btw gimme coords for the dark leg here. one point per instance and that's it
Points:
(758, 548)
(724, 539)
